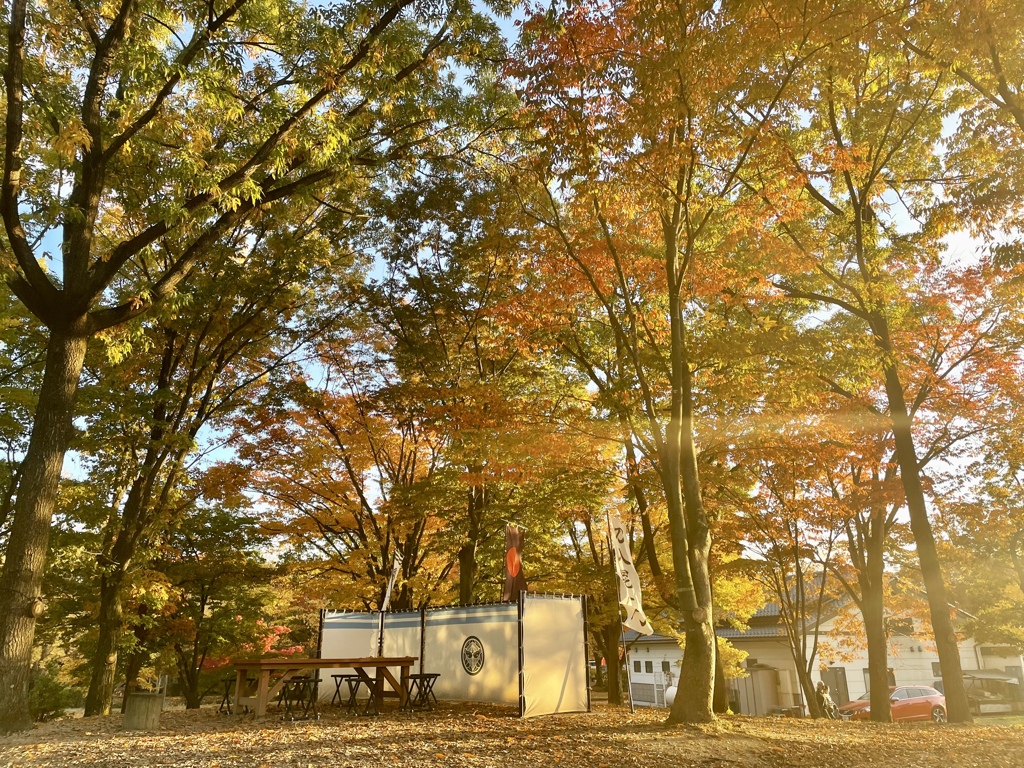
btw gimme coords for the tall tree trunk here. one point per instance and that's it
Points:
(871, 577)
(188, 677)
(467, 552)
(957, 706)
(139, 656)
(22, 575)
(104, 666)
(612, 634)
(873, 611)
(691, 536)
(114, 564)
(720, 700)
(803, 675)
(599, 673)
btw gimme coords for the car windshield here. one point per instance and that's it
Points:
(867, 696)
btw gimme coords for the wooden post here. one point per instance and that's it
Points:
(522, 676)
(142, 712)
(586, 646)
(240, 680)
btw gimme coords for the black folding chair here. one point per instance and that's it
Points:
(345, 698)
(421, 690)
(299, 695)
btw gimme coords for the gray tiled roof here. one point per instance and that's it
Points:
(774, 630)
(631, 637)
(730, 633)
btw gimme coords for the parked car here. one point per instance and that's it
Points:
(909, 702)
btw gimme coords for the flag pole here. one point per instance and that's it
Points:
(618, 614)
(625, 659)
(396, 564)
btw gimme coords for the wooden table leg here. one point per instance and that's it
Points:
(263, 693)
(403, 694)
(378, 688)
(240, 678)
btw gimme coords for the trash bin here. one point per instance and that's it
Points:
(142, 711)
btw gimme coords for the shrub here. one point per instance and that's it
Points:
(48, 696)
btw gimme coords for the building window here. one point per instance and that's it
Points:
(666, 667)
(903, 627)
(648, 666)
(890, 673)
(636, 666)
(936, 669)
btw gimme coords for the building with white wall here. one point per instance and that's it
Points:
(994, 673)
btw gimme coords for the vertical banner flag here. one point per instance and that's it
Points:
(396, 567)
(629, 581)
(515, 581)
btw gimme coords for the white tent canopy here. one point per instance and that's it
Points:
(533, 652)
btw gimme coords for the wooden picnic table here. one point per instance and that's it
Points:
(272, 674)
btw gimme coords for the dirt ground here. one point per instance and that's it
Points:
(493, 737)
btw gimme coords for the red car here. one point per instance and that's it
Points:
(909, 702)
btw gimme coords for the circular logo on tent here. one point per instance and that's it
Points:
(472, 655)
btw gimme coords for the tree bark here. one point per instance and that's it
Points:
(104, 666)
(873, 612)
(467, 553)
(612, 635)
(188, 677)
(139, 656)
(720, 700)
(22, 575)
(957, 706)
(131, 521)
(691, 535)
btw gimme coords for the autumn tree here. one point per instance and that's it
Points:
(983, 523)
(222, 603)
(452, 246)
(140, 135)
(646, 117)
(869, 252)
(792, 528)
(20, 371)
(339, 470)
(867, 489)
(194, 362)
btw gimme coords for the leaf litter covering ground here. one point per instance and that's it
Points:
(492, 737)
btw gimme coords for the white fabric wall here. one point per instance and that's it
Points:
(354, 636)
(402, 635)
(554, 656)
(555, 663)
(346, 636)
(497, 629)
